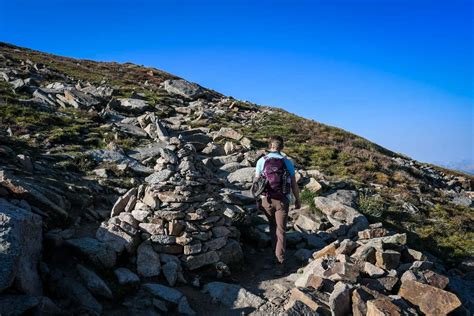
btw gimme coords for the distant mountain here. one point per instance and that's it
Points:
(465, 165)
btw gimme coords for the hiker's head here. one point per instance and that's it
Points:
(275, 143)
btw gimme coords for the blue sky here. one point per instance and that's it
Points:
(399, 73)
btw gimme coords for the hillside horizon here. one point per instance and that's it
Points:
(464, 166)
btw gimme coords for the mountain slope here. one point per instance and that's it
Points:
(412, 196)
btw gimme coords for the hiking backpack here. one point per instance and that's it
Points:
(278, 178)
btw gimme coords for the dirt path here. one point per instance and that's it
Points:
(256, 275)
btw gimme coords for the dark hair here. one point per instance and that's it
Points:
(276, 141)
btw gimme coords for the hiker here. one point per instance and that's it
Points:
(276, 175)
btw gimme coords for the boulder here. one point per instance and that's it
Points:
(429, 299)
(21, 246)
(340, 214)
(232, 295)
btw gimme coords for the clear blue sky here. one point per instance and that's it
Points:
(399, 73)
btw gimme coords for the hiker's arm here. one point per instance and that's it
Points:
(296, 192)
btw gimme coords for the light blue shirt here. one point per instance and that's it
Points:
(274, 154)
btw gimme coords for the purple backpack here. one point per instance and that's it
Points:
(278, 178)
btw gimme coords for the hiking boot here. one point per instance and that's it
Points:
(279, 269)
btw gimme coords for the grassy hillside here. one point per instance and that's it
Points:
(390, 187)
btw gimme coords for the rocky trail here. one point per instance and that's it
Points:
(127, 193)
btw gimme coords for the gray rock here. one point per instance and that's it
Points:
(346, 197)
(17, 304)
(125, 276)
(134, 104)
(242, 176)
(308, 223)
(97, 252)
(148, 261)
(340, 214)
(147, 151)
(159, 176)
(170, 271)
(122, 201)
(197, 261)
(315, 267)
(231, 252)
(183, 88)
(21, 246)
(166, 293)
(75, 292)
(184, 308)
(93, 282)
(100, 155)
(116, 238)
(232, 295)
(130, 129)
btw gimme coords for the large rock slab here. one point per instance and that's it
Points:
(183, 88)
(429, 299)
(94, 250)
(232, 295)
(20, 248)
(33, 193)
(340, 214)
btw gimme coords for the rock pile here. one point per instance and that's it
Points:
(178, 214)
(367, 270)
